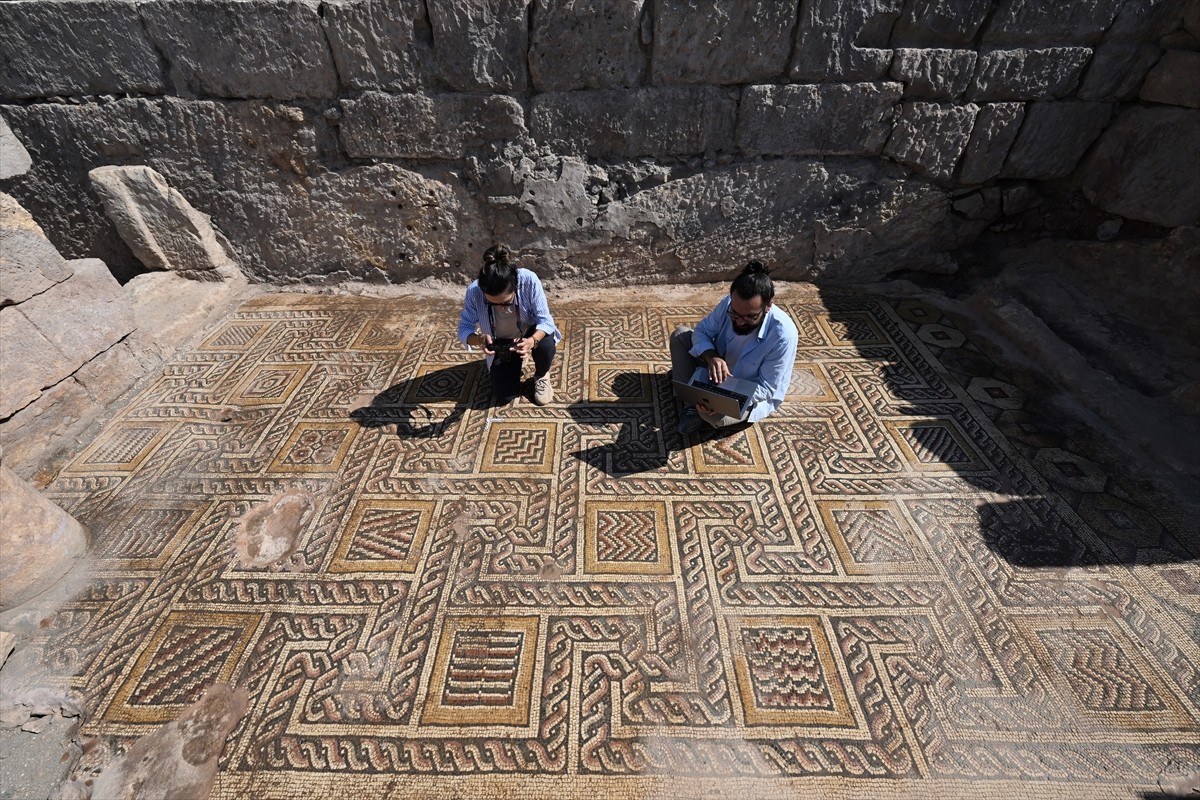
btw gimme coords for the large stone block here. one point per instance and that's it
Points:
(1145, 165)
(843, 40)
(233, 48)
(664, 121)
(1174, 80)
(934, 73)
(1117, 69)
(14, 158)
(160, 226)
(380, 44)
(1023, 22)
(595, 45)
(76, 48)
(931, 137)
(829, 119)
(721, 41)
(1028, 74)
(481, 46)
(50, 423)
(939, 23)
(996, 128)
(442, 126)
(29, 362)
(29, 263)
(1053, 137)
(39, 541)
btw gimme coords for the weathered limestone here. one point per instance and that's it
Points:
(39, 542)
(834, 119)
(380, 44)
(1023, 22)
(444, 126)
(1145, 165)
(840, 41)
(230, 48)
(160, 226)
(934, 73)
(1028, 74)
(939, 23)
(1053, 137)
(77, 48)
(29, 264)
(636, 122)
(481, 47)
(14, 158)
(1174, 80)
(996, 128)
(721, 41)
(931, 137)
(596, 45)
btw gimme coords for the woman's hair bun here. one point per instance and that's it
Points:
(496, 254)
(756, 267)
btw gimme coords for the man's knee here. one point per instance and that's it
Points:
(681, 338)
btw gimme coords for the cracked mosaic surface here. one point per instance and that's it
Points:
(901, 583)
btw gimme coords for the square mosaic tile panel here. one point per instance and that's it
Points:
(902, 583)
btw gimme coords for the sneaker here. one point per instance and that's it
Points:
(543, 392)
(689, 420)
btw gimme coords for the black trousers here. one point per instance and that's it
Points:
(506, 376)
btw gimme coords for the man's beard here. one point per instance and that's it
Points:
(742, 330)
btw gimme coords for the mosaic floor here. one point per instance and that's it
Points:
(901, 584)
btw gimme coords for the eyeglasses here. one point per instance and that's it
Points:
(745, 318)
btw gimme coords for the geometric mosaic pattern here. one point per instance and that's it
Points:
(903, 583)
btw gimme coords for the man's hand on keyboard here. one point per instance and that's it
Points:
(718, 370)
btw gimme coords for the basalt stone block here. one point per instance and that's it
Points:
(75, 48)
(443, 126)
(1145, 164)
(1024, 23)
(1028, 74)
(931, 137)
(596, 45)
(934, 73)
(939, 23)
(996, 128)
(637, 122)
(237, 49)
(14, 158)
(1117, 69)
(843, 40)
(380, 44)
(825, 119)
(721, 41)
(29, 264)
(1053, 137)
(1174, 80)
(481, 46)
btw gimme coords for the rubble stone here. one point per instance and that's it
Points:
(832, 119)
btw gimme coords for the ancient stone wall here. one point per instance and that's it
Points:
(613, 140)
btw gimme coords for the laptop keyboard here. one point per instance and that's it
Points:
(712, 387)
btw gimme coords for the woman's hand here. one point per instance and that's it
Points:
(524, 346)
(485, 341)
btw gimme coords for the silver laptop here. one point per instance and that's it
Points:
(729, 397)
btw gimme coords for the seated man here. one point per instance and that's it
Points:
(744, 337)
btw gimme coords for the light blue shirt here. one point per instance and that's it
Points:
(531, 303)
(767, 360)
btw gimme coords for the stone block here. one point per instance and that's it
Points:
(1021, 22)
(826, 119)
(48, 424)
(663, 121)
(237, 49)
(76, 48)
(442, 126)
(721, 41)
(1053, 137)
(931, 137)
(160, 226)
(29, 263)
(1028, 74)
(996, 128)
(939, 23)
(380, 44)
(1145, 164)
(29, 362)
(14, 158)
(111, 373)
(595, 45)
(934, 73)
(481, 46)
(1117, 69)
(39, 540)
(837, 40)
(1174, 80)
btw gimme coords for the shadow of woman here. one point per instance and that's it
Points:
(427, 405)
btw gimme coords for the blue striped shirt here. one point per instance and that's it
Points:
(531, 303)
